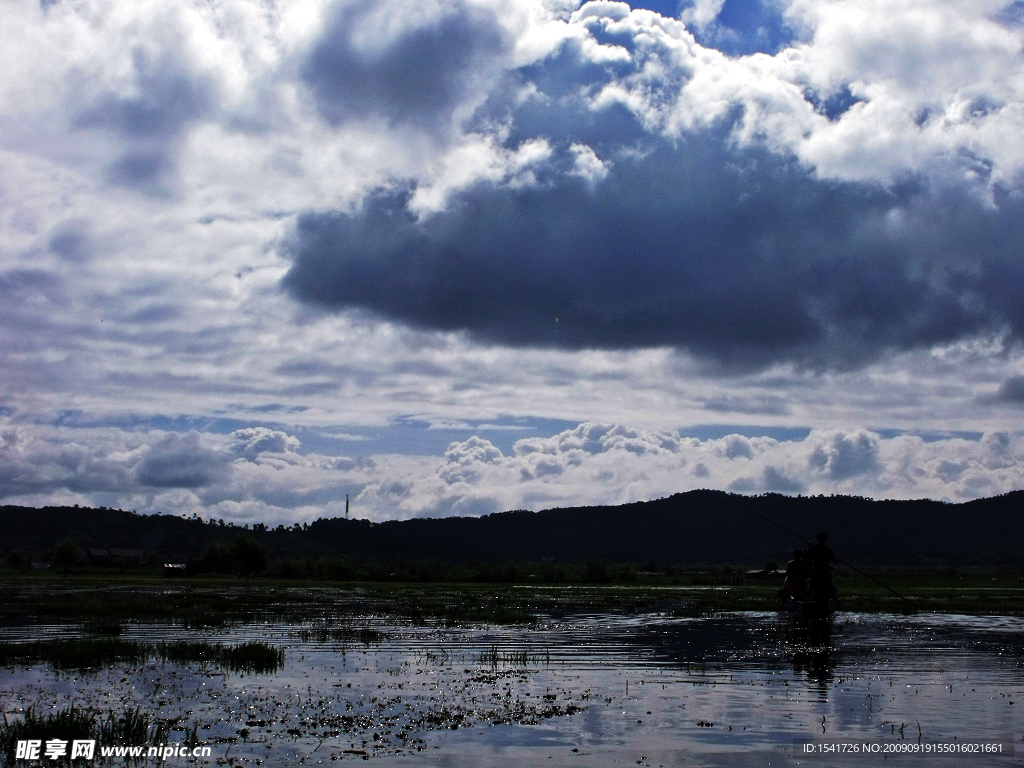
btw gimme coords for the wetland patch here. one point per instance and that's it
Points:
(648, 685)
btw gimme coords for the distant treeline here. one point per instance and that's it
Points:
(694, 528)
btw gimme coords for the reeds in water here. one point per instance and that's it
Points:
(494, 658)
(347, 634)
(125, 727)
(74, 654)
(252, 656)
(90, 653)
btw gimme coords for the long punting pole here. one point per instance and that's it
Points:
(852, 567)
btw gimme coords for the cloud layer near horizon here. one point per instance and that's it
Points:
(260, 474)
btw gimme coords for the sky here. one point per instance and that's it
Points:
(461, 257)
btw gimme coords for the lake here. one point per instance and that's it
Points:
(600, 689)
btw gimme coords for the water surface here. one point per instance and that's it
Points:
(591, 690)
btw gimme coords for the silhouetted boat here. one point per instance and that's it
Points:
(809, 609)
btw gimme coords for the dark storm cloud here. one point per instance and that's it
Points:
(740, 257)
(418, 77)
(729, 249)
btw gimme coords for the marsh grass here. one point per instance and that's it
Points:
(326, 631)
(252, 656)
(66, 724)
(91, 653)
(492, 657)
(126, 727)
(690, 593)
(74, 654)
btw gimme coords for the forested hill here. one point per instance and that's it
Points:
(698, 527)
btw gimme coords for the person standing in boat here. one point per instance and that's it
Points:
(821, 558)
(797, 572)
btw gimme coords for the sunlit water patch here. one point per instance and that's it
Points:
(587, 690)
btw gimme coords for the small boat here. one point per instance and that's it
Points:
(809, 609)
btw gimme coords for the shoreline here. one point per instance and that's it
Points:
(208, 600)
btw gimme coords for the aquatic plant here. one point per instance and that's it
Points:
(66, 724)
(75, 653)
(493, 657)
(95, 652)
(129, 726)
(186, 651)
(326, 632)
(252, 656)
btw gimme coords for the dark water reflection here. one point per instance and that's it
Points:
(590, 690)
(739, 689)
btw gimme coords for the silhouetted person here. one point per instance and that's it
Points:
(821, 558)
(821, 550)
(797, 572)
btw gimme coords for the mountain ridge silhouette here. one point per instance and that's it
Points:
(695, 527)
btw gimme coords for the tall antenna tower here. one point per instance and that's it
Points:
(346, 506)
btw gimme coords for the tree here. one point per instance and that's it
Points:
(244, 550)
(252, 553)
(66, 554)
(17, 560)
